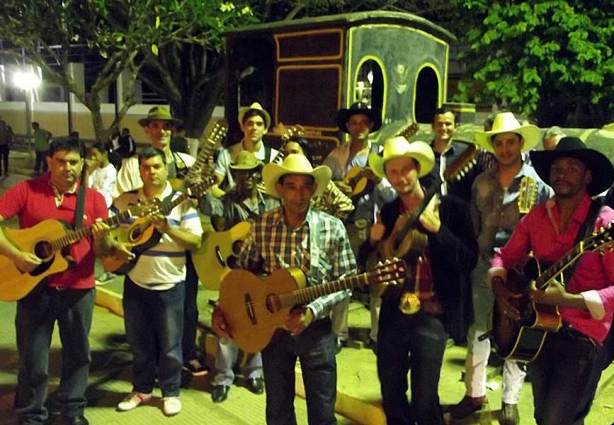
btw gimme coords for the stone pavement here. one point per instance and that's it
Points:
(358, 400)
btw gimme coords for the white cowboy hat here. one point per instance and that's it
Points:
(506, 122)
(399, 147)
(295, 164)
(255, 107)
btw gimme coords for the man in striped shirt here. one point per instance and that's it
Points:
(154, 289)
(295, 235)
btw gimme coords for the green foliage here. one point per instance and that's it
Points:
(539, 55)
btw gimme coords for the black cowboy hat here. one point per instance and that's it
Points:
(573, 147)
(343, 116)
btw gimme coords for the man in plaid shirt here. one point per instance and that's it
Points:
(296, 236)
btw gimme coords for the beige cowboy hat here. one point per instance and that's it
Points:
(245, 160)
(295, 163)
(255, 107)
(399, 147)
(158, 113)
(506, 122)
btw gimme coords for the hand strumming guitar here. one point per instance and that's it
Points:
(430, 216)
(504, 297)
(377, 231)
(298, 320)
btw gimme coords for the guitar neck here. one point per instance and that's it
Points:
(310, 293)
(558, 267)
(76, 235)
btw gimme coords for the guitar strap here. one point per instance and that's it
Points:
(585, 230)
(80, 206)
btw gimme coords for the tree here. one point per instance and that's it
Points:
(551, 60)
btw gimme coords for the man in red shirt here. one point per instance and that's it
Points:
(66, 297)
(586, 299)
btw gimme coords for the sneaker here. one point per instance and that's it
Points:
(132, 400)
(196, 368)
(172, 406)
(509, 414)
(467, 406)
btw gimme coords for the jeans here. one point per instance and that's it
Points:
(315, 349)
(339, 319)
(40, 165)
(190, 314)
(423, 337)
(478, 351)
(559, 377)
(154, 326)
(227, 353)
(34, 322)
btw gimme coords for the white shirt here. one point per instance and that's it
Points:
(103, 180)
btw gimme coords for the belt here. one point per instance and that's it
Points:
(573, 333)
(57, 288)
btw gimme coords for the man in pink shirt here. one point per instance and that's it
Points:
(586, 300)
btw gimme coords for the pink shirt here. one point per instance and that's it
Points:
(33, 201)
(593, 277)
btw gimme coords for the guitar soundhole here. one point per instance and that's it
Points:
(43, 250)
(236, 247)
(135, 234)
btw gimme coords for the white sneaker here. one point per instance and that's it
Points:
(172, 406)
(132, 400)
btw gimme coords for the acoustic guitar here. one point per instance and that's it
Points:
(142, 235)
(405, 241)
(48, 240)
(254, 307)
(204, 158)
(218, 253)
(523, 339)
(355, 178)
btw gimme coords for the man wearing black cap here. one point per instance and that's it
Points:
(358, 121)
(586, 300)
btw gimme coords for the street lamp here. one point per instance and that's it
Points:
(28, 81)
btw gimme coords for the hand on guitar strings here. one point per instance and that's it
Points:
(26, 261)
(504, 298)
(298, 319)
(430, 216)
(556, 295)
(160, 223)
(218, 323)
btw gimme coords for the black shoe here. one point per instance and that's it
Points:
(372, 345)
(509, 414)
(255, 385)
(219, 393)
(466, 407)
(77, 420)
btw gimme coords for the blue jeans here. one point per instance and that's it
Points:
(227, 353)
(154, 327)
(34, 321)
(315, 348)
(423, 336)
(560, 375)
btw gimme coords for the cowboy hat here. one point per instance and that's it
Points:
(158, 113)
(573, 147)
(295, 164)
(399, 147)
(255, 107)
(506, 122)
(343, 116)
(245, 160)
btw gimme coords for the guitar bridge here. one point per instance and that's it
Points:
(249, 309)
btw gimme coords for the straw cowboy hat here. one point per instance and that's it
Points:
(573, 147)
(158, 113)
(506, 122)
(245, 160)
(295, 164)
(255, 107)
(343, 116)
(399, 147)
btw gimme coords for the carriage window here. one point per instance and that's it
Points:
(369, 87)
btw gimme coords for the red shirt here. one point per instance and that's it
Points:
(33, 201)
(538, 232)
